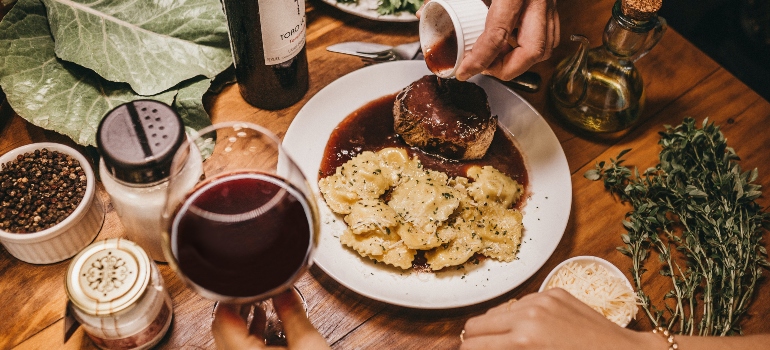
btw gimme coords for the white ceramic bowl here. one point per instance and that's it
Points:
(68, 237)
(584, 260)
(440, 17)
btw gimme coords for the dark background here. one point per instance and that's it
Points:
(735, 33)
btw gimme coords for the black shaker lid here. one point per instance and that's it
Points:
(137, 140)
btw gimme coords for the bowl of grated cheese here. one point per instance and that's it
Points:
(599, 284)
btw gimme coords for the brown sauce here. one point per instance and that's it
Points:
(443, 55)
(370, 128)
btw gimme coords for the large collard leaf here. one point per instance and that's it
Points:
(152, 45)
(189, 103)
(48, 92)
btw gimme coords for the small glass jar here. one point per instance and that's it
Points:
(117, 294)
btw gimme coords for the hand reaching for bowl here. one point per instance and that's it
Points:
(554, 319)
(532, 25)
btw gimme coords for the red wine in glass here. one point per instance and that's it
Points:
(243, 235)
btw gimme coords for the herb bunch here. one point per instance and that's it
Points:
(697, 210)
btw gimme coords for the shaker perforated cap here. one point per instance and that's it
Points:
(108, 277)
(137, 140)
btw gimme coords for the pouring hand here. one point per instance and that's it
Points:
(538, 34)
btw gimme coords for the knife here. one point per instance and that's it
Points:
(528, 81)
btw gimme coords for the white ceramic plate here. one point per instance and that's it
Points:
(545, 214)
(368, 9)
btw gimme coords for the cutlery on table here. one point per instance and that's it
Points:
(376, 53)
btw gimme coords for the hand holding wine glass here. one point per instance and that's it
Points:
(230, 330)
(246, 231)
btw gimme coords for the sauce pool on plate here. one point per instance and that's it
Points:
(370, 128)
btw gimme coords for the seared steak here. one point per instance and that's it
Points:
(446, 117)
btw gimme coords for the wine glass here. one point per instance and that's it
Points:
(240, 221)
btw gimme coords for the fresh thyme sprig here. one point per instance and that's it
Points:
(697, 210)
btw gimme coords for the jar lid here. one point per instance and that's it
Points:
(137, 140)
(108, 276)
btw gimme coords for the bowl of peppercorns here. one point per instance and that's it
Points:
(48, 205)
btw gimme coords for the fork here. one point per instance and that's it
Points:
(406, 51)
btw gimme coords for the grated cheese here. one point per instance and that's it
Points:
(594, 285)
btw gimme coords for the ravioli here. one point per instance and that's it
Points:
(393, 207)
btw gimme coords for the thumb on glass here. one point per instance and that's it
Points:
(230, 332)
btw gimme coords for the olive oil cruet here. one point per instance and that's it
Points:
(600, 89)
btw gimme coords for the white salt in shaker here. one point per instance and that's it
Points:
(137, 141)
(117, 294)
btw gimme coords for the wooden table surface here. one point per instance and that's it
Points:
(680, 81)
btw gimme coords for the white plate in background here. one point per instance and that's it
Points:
(368, 9)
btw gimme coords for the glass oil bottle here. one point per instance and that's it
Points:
(600, 89)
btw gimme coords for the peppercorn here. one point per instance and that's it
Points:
(38, 190)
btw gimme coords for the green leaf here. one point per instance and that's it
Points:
(387, 7)
(189, 103)
(697, 193)
(593, 175)
(47, 91)
(623, 152)
(625, 238)
(624, 251)
(151, 45)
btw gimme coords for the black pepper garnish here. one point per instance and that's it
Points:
(38, 190)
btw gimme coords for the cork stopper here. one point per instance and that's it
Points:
(640, 10)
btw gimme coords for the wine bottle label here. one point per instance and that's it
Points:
(283, 29)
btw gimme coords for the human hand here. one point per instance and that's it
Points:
(550, 320)
(537, 22)
(230, 331)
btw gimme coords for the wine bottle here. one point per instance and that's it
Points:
(267, 39)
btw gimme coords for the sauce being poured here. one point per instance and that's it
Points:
(443, 55)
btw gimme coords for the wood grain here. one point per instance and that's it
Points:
(680, 81)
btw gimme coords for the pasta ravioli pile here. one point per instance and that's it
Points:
(394, 207)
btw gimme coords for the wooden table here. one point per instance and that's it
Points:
(680, 81)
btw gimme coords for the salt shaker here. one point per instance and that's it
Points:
(117, 294)
(137, 141)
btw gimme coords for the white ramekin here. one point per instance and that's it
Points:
(439, 17)
(68, 237)
(587, 259)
